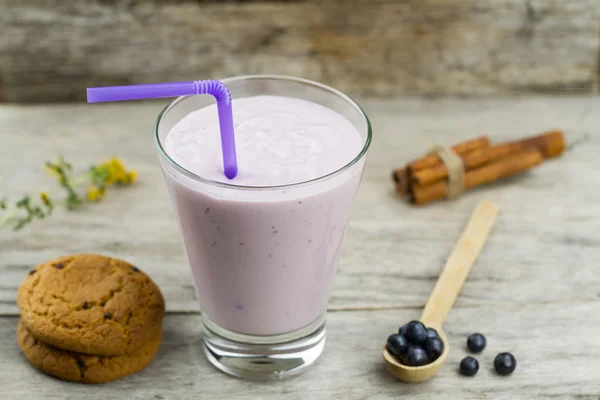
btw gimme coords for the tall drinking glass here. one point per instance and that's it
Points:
(264, 258)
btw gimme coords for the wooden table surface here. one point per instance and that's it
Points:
(535, 290)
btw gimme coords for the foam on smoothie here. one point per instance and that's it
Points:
(279, 140)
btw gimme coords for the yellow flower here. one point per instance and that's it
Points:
(45, 198)
(115, 171)
(131, 177)
(95, 193)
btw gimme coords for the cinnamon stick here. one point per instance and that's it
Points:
(502, 168)
(550, 144)
(401, 175)
(400, 178)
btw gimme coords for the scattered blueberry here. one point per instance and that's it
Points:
(476, 343)
(59, 266)
(135, 269)
(434, 348)
(469, 366)
(107, 315)
(33, 271)
(432, 333)
(416, 356)
(81, 363)
(85, 305)
(505, 363)
(416, 333)
(397, 345)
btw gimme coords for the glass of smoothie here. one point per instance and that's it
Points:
(264, 247)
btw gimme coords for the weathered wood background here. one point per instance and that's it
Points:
(51, 50)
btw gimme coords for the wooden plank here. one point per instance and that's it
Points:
(50, 50)
(544, 248)
(557, 347)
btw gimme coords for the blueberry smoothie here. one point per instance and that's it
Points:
(264, 247)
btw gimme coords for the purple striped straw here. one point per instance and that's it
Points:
(176, 89)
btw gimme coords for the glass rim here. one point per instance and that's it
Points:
(328, 176)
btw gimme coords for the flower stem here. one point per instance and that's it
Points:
(8, 215)
(80, 180)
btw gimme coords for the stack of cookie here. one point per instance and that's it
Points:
(89, 318)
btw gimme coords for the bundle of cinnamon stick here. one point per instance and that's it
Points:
(426, 179)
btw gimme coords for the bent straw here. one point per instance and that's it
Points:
(176, 89)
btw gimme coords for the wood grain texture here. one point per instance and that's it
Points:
(557, 351)
(544, 248)
(52, 50)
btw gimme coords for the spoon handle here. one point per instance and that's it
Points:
(459, 264)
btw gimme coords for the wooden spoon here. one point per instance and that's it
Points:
(447, 289)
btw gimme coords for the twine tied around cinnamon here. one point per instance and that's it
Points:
(456, 170)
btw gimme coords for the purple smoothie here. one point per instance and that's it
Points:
(263, 254)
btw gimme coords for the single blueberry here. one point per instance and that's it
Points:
(505, 363)
(469, 366)
(396, 345)
(476, 343)
(416, 356)
(416, 333)
(432, 333)
(434, 348)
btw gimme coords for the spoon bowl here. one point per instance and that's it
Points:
(416, 374)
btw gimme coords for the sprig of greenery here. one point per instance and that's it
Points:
(33, 211)
(62, 169)
(98, 178)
